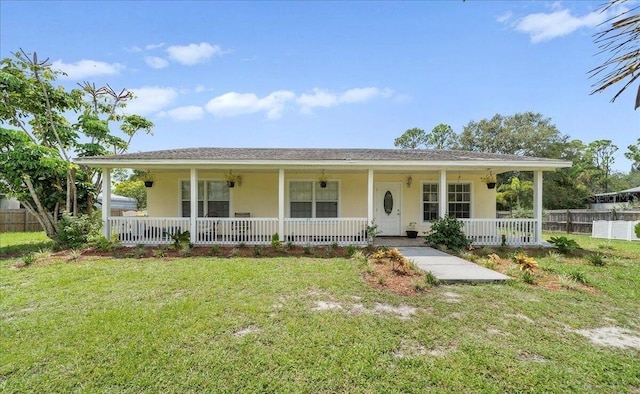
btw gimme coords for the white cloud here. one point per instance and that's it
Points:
(193, 53)
(505, 17)
(191, 112)
(234, 104)
(87, 68)
(156, 62)
(323, 98)
(154, 46)
(547, 26)
(150, 99)
(199, 88)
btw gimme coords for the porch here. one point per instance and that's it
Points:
(341, 231)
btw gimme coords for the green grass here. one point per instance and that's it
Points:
(153, 325)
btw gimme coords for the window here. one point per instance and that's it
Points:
(429, 202)
(458, 201)
(308, 200)
(215, 205)
(459, 196)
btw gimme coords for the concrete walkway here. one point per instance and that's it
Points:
(448, 268)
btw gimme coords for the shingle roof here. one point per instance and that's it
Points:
(312, 154)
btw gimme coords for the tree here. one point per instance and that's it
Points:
(411, 139)
(135, 189)
(599, 157)
(36, 153)
(633, 154)
(516, 194)
(620, 41)
(526, 134)
(442, 137)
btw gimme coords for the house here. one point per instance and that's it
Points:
(8, 203)
(120, 203)
(615, 200)
(318, 196)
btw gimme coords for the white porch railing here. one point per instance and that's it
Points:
(146, 230)
(232, 231)
(516, 232)
(343, 231)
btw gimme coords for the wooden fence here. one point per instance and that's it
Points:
(580, 220)
(20, 220)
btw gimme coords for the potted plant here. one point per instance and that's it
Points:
(322, 179)
(411, 230)
(231, 179)
(490, 180)
(148, 179)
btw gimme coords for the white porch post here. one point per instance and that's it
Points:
(106, 202)
(442, 194)
(537, 205)
(193, 182)
(281, 203)
(370, 196)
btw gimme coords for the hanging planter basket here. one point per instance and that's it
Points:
(323, 184)
(231, 183)
(491, 185)
(148, 183)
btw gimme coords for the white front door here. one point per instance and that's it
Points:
(388, 207)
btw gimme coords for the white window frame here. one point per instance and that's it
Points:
(204, 196)
(314, 201)
(433, 182)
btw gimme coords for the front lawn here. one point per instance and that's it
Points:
(300, 324)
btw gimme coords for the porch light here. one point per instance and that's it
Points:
(409, 181)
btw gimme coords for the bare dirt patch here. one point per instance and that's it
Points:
(612, 336)
(246, 331)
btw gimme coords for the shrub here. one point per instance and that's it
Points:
(334, 245)
(350, 251)
(564, 244)
(181, 240)
(596, 259)
(307, 249)
(257, 249)
(104, 244)
(290, 245)
(275, 241)
(431, 279)
(448, 232)
(159, 253)
(75, 231)
(29, 258)
(525, 262)
(528, 277)
(215, 249)
(637, 230)
(578, 276)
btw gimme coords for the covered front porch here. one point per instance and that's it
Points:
(413, 198)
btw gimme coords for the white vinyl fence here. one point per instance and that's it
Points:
(614, 229)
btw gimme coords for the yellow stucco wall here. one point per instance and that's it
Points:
(258, 193)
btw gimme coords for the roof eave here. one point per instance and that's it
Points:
(544, 165)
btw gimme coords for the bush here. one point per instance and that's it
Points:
(351, 250)
(448, 232)
(275, 241)
(76, 231)
(596, 259)
(637, 230)
(564, 244)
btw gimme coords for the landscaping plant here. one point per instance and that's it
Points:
(448, 232)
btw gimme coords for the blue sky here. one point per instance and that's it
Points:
(328, 74)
